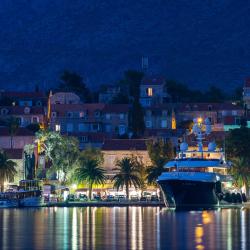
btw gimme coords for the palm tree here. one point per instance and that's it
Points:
(241, 172)
(90, 171)
(153, 172)
(128, 175)
(7, 169)
(160, 153)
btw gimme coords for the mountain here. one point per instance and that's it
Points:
(195, 42)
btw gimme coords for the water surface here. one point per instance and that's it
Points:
(123, 228)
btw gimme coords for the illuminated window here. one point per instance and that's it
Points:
(58, 127)
(150, 91)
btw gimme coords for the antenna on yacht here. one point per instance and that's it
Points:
(198, 128)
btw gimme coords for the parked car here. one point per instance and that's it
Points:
(97, 198)
(143, 198)
(110, 198)
(154, 198)
(71, 197)
(121, 197)
(134, 198)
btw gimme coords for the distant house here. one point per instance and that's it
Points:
(25, 114)
(107, 95)
(158, 116)
(90, 118)
(65, 98)
(25, 99)
(223, 116)
(246, 93)
(153, 91)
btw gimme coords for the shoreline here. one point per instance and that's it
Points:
(105, 204)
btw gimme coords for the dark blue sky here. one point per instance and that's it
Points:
(196, 42)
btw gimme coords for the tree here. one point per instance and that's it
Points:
(237, 150)
(90, 171)
(215, 94)
(238, 143)
(160, 153)
(241, 172)
(13, 125)
(62, 151)
(71, 81)
(7, 169)
(132, 79)
(136, 119)
(128, 174)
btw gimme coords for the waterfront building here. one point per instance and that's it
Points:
(64, 98)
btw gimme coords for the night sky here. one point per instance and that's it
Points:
(196, 42)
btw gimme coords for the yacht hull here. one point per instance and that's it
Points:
(188, 194)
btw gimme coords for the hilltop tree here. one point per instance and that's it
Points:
(160, 153)
(132, 80)
(71, 81)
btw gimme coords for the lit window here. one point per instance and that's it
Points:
(150, 91)
(58, 127)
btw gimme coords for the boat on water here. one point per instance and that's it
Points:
(199, 178)
(28, 194)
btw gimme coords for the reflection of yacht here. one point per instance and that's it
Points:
(198, 178)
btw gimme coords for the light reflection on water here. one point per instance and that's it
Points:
(123, 228)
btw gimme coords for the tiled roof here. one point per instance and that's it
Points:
(116, 108)
(14, 154)
(153, 80)
(125, 144)
(184, 107)
(4, 131)
(62, 109)
(15, 94)
(20, 110)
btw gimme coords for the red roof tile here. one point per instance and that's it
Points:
(116, 108)
(184, 107)
(125, 144)
(15, 94)
(19, 110)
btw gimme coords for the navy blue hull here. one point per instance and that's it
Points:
(184, 194)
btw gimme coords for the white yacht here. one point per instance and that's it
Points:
(199, 178)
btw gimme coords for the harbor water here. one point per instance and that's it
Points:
(123, 228)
